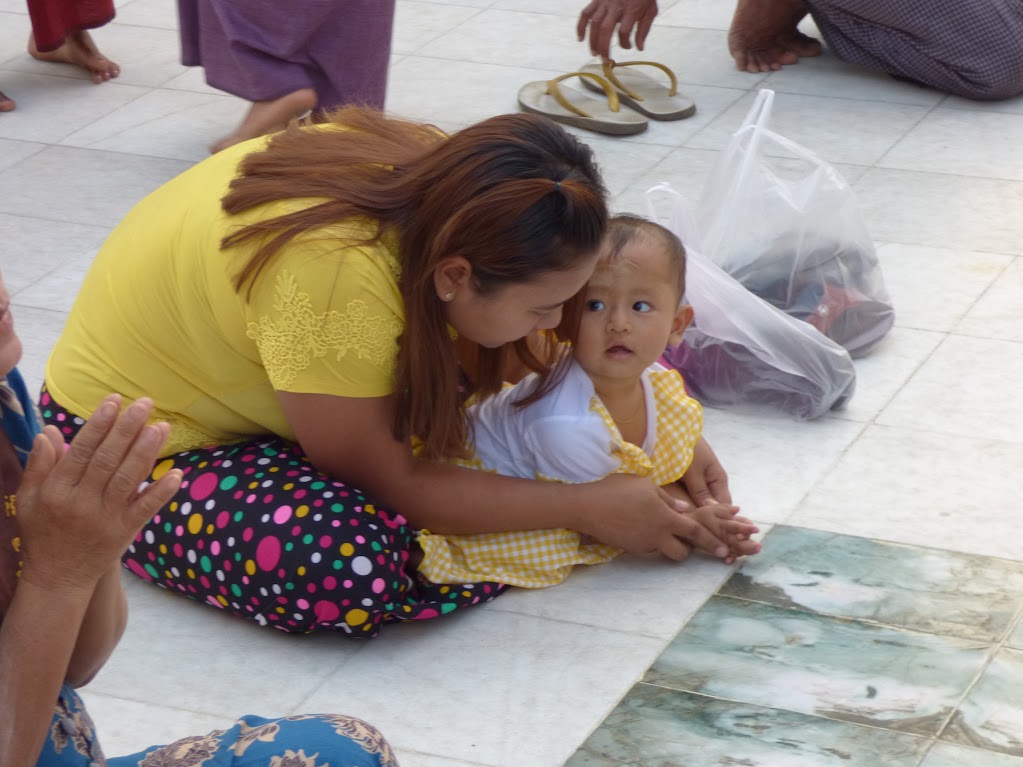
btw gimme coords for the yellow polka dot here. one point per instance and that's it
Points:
(406, 608)
(190, 573)
(222, 600)
(250, 566)
(253, 485)
(356, 617)
(347, 549)
(209, 529)
(280, 610)
(301, 511)
(466, 593)
(195, 523)
(445, 589)
(274, 468)
(289, 486)
(204, 464)
(162, 468)
(369, 508)
(301, 570)
(173, 506)
(163, 548)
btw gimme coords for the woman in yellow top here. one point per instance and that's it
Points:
(297, 309)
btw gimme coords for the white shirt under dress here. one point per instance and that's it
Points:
(568, 436)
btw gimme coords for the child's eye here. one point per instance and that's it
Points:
(595, 306)
(641, 306)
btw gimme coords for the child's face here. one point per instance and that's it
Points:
(631, 313)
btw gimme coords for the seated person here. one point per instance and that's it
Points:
(616, 411)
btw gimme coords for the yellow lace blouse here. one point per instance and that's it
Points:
(158, 315)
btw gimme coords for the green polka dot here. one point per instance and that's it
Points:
(237, 556)
(238, 516)
(446, 608)
(337, 508)
(194, 458)
(307, 539)
(161, 561)
(289, 546)
(167, 526)
(228, 482)
(152, 570)
(205, 564)
(289, 586)
(375, 546)
(452, 595)
(236, 590)
(259, 474)
(269, 452)
(47, 413)
(338, 564)
(318, 485)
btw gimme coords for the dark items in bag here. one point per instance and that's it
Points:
(829, 287)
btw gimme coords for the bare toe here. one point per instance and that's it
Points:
(6, 103)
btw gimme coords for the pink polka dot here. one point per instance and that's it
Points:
(379, 585)
(330, 583)
(227, 565)
(250, 498)
(136, 568)
(268, 499)
(311, 588)
(336, 523)
(45, 399)
(427, 613)
(238, 494)
(299, 494)
(325, 611)
(325, 541)
(223, 518)
(302, 604)
(282, 515)
(360, 539)
(179, 531)
(203, 486)
(347, 584)
(61, 417)
(247, 535)
(296, 530)
(215, 548)
(204, 581)
(268, 553)
(179, 550)
(318, 502)
(248, 457)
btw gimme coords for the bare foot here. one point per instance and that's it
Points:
(269, 116)
(763, 36)
(6, 103)
(80, 50)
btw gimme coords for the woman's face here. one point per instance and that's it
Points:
(516, 310)
(10, 344)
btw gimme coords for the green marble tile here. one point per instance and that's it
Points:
(658, 727)
(991, 717)
(947, 755)
(859, 672)
(941, 592)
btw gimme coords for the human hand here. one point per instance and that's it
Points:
(734, 530)
(79, 509)
(706, 479)
(601, 17)
(634, 514)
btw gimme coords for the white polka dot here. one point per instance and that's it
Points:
(190, 556)
(317, 517)
(275, 589)
(227, 464)
(150, 537)
(373, 527)
(267, 483)
(175, 572)
(362, 566)
(220, 575)
(367, 602)
(328, 494)
(263, 592)
(263, 461)
(306, 478)
(186, 508)
(230, 542)
(316, 557)
(297, 616)
(210, 504)
(265, 519)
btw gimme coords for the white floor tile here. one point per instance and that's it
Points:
(177, 650)
(911, 486)
(417, 24)
(997, 313)
(489, 686)
(38, 330)
(13, 152)
(701, 14)
(176, 124)
(965, 389)
(837, 130)
(35, 247)
(827, 75)
(416, 759)
(773, 460)
(162, 14)
(943, 211)
(85, 186)
(963, 143)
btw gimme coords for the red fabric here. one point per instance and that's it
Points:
(54, 20)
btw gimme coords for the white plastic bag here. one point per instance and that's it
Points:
(792, 233)
(740, 350)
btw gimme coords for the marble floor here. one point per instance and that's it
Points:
(880, 620)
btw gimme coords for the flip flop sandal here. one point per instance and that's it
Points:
(572, 108)
(644, 93)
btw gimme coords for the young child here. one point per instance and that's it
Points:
(615, 412)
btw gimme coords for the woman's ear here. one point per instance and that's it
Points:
(682, 320)
(452, 275)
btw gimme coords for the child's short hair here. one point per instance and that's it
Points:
(626, 228)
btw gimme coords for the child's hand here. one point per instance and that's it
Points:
(724, 524)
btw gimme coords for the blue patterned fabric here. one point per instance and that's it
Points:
(19, 417)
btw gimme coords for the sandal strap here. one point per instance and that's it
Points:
(553, 89)
(610, 64)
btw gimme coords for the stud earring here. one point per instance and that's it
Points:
(448, 296)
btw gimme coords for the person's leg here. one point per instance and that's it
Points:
(257, 531)
(6, 103)
(971, 49)
(253, 741)
(764, 35)
(351, 54)
(59, 35)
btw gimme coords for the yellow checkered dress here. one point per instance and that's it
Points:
(541, 558)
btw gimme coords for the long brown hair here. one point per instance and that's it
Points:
(515, 195)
